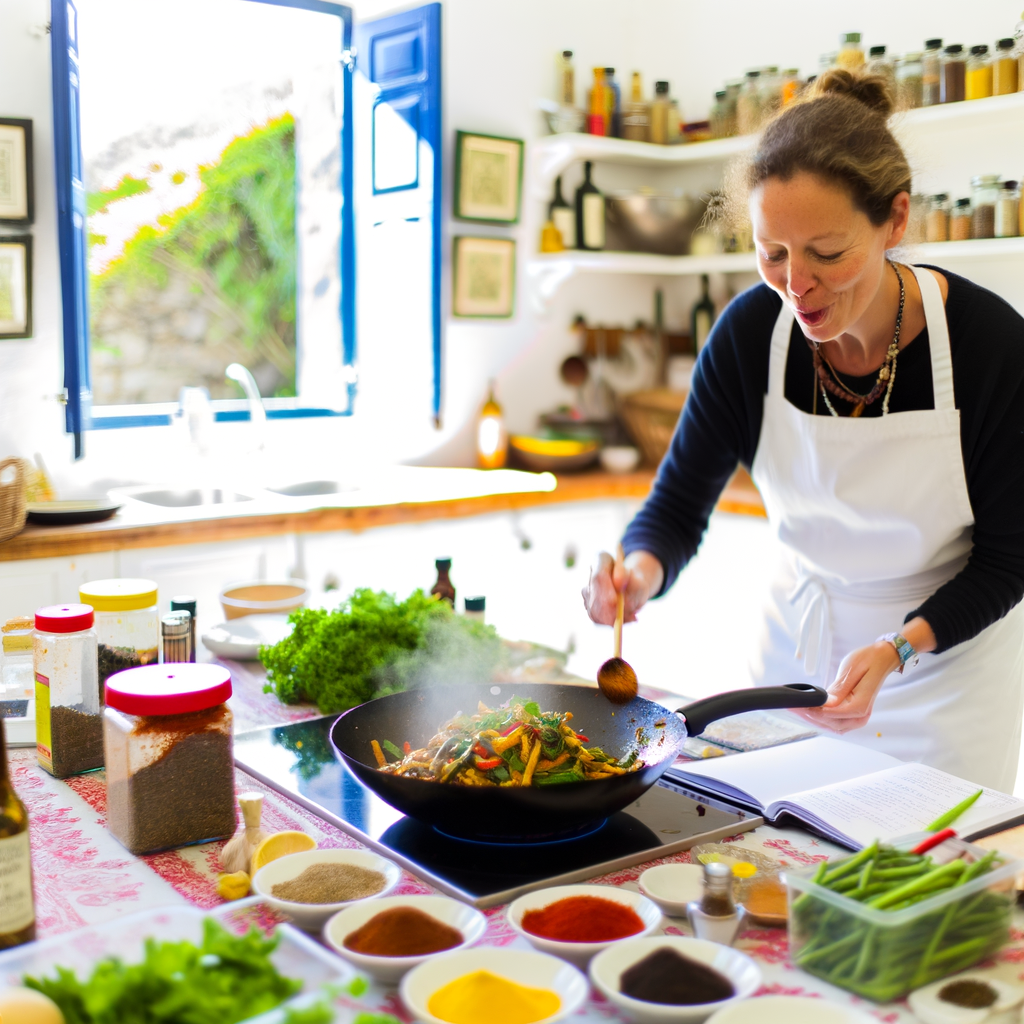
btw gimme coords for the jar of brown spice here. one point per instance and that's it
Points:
(953, 81)
(937, 224)
(984, 196)
(168, 751)
(960, 221)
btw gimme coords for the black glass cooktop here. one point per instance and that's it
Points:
(298, 760)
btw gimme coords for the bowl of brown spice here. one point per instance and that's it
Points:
(387, 937)
(312, 886)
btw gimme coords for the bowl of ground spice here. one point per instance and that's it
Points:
(386, 938)
(314, 885)
(493, 986)
(667, 978)
(576, 922)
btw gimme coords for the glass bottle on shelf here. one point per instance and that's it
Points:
(984, 196)
(1007, 223)
(636, 115)
(702, 318)
(851, 53)
(659, 114)
(937, 221)
(931, 73)
(1004, 69)
(589, 213)
(596, 123)
(748, 105)
(612, 104)
(880, 64)
(978, 79)
(561, 214)
(770, 87)
(719, 116)
(732, 95)
(953, 81)
(909, 81)
(791, 85)
(960, 221)
(566, 79)
(17, 901)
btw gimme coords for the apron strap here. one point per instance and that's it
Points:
(938, 339)
(780, 352)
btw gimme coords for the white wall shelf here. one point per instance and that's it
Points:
(972, 249)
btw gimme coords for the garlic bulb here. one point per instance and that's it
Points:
(237, 854)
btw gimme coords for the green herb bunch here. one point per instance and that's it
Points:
(372, 645)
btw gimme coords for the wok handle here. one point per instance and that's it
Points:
(701, 713)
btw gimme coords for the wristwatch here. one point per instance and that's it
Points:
(904, 649)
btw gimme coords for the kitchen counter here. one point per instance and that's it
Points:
(406, 495)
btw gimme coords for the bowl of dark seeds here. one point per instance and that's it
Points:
(312, 886)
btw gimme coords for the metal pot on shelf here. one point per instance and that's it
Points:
(648, 221)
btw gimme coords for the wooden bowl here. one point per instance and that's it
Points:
(256, 597)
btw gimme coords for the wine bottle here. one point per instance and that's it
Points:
(589, 213)
(703, 317)
(17, 904)
(561, 214)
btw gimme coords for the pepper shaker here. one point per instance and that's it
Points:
(715, 916)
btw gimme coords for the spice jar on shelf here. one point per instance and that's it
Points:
(960, 221)
(851, 53)
(909, 81)
(127, 623)
(748, 104)
(984, 196)
(931, 73)
(881, 64)
(1004, 68)
(1007, 223)
(953, 80)
(69, 712)
(937, 221)
(978, 81)
(170, 768)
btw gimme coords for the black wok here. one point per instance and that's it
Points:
(521, 814)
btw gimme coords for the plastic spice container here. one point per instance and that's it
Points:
(18, 682)
(960, 220)
(984, 196)
(1004, 68)
(69, 713)
(909, 81)
(953, 80)
(937, 221)
(978, 83)
(1008, 210)
(931, 73)
(127, 623)
(170, 768)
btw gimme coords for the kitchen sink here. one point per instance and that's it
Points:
(189, 497)
(311, 488)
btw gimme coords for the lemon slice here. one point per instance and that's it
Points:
(280, 844)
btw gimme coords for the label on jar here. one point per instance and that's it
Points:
(44, 741)
(16, 906)
(593, 221)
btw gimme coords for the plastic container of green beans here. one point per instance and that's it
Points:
(929, 918)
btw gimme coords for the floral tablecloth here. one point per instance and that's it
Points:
(83, 876)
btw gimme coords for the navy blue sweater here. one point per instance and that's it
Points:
(721, 424)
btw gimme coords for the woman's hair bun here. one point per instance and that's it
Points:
(873, 91)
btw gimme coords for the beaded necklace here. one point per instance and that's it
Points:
(828, 379)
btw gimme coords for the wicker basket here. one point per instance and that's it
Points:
(12, 498)
(650, 419)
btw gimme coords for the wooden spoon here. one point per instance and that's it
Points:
(616, 677)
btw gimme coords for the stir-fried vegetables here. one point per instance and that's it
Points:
(514, 745)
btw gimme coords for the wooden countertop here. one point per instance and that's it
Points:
(147, 526)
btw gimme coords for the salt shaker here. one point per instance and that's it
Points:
(715, 916)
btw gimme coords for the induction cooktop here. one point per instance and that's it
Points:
(298, 761)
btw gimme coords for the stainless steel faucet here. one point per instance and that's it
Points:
(257, 414)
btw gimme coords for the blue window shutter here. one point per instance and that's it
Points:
(70, 217)
(401, 56)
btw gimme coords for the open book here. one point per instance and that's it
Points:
(847, 793)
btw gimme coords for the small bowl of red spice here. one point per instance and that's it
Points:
(386, 938)
(576, 922)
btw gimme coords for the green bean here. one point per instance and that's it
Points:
(917, 885)
(845, 867)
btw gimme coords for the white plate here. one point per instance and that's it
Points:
(241, 638)
(672, 886)
(390, 969)
(789, 1010)
(607, 968)
(523, 966)
(580, 953)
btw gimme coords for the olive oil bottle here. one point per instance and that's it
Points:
(17, 904)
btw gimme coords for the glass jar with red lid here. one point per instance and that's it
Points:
(69, 711)
(170, 766)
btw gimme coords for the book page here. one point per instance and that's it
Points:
(779, 772)
(901, 800)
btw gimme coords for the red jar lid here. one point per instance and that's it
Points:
(172, 689)
(64, 618)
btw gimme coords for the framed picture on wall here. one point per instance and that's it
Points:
(483, 277)
(488, 178)
(16, 191)
(15, 286)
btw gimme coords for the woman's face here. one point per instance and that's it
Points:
(819, 252)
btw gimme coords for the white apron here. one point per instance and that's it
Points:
(874, 516)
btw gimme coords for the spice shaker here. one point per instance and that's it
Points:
(176, 632)
(69, 711)
(16, 673)
(953, 79)
(715, 916)
(126, 622)
(931, 72)
(187, 603)
(170, 768)
(937, 222)
(984, 196)
(960, 220)
(1008, 210)
(476, 608)
(909, 81)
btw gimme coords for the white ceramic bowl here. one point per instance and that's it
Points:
(607, 968)
(672, 886)
(620, 458)
(313, 916)
(523, 966)
(580, 953)
(789, 1010)
(260, 597)
(390, 969)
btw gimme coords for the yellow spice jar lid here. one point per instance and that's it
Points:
(118, 595)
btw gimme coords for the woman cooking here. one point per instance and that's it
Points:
(880, 409)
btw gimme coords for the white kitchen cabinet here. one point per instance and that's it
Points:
(26, 586)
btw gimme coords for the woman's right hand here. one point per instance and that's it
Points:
(641, 576)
